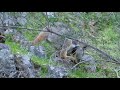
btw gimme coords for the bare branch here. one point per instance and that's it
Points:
(87, 45)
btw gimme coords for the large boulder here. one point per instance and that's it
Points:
(16, 66)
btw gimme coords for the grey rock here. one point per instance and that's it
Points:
(31, 49)
(6, 62)
(90, 63)
(3, 46)
(2, 30)
(56, 72)
(10, 31)
(4, 53)
(24, 64)
(13, 20)
(90, 68)
(79, 53)
(38, 51)
(16, 66)
(22, 21)
(26, 60)
(88, 59)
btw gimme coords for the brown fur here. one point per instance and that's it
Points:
(42, 36)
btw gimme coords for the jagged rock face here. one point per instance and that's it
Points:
(16, 66)
(7, 64)
(13, 20)
(56, 72)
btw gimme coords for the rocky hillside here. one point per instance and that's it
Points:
(95, 39)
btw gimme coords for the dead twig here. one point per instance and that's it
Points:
(77, 64)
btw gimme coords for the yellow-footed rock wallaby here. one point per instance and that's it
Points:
(66, 46)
